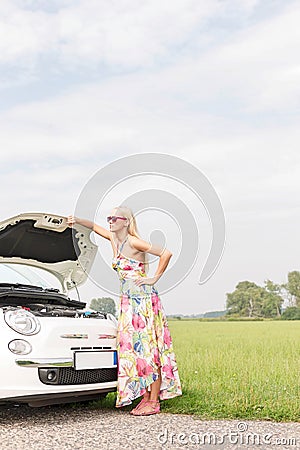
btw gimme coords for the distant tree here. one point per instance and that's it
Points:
(104, 304)
(214, 314)
(293, 288)
(251, 300)
(273, 301)
(245, 301)
(291, 313)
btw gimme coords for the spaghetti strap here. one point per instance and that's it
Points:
(121, 246)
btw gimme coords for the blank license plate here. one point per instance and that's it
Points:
(95, 360)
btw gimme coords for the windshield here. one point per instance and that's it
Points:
(18, 273)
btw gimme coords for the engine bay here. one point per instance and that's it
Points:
(48, 302)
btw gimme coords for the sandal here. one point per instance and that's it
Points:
(155, 405)
(138, 406)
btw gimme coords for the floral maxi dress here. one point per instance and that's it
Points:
(144, 342)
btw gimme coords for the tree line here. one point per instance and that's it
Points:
(251, 300)
(247, 300)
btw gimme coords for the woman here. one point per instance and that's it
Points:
(146, 360)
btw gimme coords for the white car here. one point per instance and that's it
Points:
(52, 350)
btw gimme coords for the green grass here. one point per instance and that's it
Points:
(242, 370)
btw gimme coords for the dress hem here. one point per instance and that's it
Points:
(163, 395)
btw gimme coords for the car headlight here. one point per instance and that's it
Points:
(22, 321)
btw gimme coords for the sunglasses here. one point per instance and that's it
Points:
(114, 218)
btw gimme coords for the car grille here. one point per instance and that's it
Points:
(68, 375)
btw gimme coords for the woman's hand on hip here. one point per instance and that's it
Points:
(145, 280)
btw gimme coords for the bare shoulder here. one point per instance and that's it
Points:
(144, 246)
(139, 244)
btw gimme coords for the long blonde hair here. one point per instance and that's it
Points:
(125, 211)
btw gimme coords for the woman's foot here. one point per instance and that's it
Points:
(145, 398)
(147, 408)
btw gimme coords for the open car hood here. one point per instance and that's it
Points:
(46, 241)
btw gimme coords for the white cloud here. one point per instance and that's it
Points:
(256, 70)
(24, 35)
(128, 34)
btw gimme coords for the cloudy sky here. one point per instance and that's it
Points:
(214, 82)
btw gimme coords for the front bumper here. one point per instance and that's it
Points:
(55, 398)
(64, 371)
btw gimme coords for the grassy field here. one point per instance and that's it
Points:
(245, 370)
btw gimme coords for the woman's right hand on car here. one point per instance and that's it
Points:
(71, 220)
